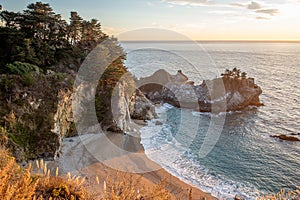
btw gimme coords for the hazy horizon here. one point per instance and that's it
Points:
(266, 41)
(205, 20)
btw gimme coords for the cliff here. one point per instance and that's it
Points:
(37, 113)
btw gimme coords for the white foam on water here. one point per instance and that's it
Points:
(161, 147)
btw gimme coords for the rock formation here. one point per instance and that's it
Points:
(291, 137)
(227, 93)
(35, 113)
(140, 107)
(129, 103)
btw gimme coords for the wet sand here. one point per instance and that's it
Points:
(104, 154)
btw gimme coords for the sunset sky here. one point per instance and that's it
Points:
(197, 19)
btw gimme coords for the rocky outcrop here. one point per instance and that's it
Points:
(291, 137)
(218, 95)
(63, 118)
(127, 104)
(141, 108)
(36, 113)
(120, 108)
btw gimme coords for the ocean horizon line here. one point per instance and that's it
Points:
(210, 41)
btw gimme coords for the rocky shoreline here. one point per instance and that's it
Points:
(99, 159)
(230, 92)
(55, 107)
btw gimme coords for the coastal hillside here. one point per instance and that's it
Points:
(41, 54)
(77, 122)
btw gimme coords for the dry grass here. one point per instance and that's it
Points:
(58, 187)
(15, 183)
(125, 187)
(22, 184)
(3, 136)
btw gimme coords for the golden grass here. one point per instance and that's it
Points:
(22, 184)
(58, 187)
(15, 183)
(125, 187)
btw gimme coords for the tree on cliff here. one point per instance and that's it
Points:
(234, 73)
(74, 29)
(36, 40)
(41, 37)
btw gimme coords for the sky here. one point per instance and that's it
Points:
(194, 19)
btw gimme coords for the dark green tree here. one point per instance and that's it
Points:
(74, 29)
(41, 37)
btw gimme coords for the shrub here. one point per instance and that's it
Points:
(123, 187)
(28, 79)
(58, 187)
(21, 68)
(15, 183)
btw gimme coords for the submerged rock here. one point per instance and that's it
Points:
(158, 123)
(239, 197)
(222, 94)
(286, 137)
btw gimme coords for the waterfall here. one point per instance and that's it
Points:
(127, 111)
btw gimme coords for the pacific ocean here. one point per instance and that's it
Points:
(244, 159)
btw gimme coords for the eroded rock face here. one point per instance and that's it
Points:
(128, 105)
(217, 95)
(36, 116)
(62, 118)
(120, 108)
(36, 112)
(141, 108)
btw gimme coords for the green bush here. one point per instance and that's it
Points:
(28, 79)
(21, 68)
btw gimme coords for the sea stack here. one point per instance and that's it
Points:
(230, 92)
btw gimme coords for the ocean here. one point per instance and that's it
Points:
(244, 159)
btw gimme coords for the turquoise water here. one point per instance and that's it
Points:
(245, 159)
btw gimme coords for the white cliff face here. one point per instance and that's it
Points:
(119, 106)
(82, 103)
(63, 117)
(125, 102)
(127, 105)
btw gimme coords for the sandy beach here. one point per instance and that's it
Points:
(106, 154)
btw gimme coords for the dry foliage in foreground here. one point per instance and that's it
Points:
(124, 187)
(58, 187)
(15, 183)
(21, 184)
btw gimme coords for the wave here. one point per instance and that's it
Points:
(161, 147)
